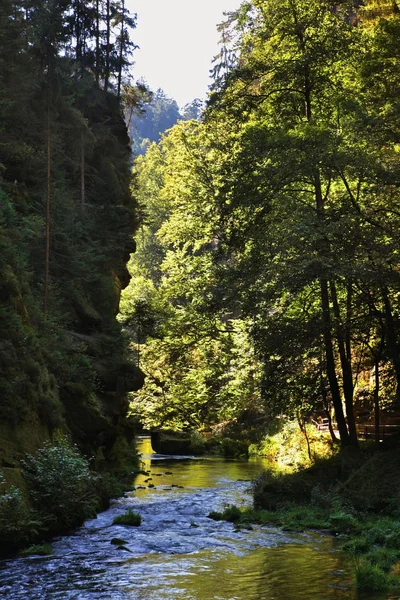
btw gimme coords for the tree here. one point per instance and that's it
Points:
(300, 164)
(199, 362)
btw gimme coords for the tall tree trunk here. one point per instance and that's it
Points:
(78, 30)
(97, 41)
(108, 34)
(345, 361)
(322, 249)
(83, 186)
(48, 198)
(376, 400)
(330, 365)
(121, 50)
(327, 411)
(327, 328)
(392, 339)
(302, 425)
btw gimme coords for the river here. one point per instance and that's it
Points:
(179, 553)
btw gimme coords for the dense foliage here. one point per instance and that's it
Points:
(66, 221)
(266, 281)
(57, 491)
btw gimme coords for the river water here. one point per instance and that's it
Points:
(179, 553)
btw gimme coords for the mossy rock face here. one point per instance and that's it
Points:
(173, 442)
(15, 442)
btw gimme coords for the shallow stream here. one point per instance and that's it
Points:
(179, 553)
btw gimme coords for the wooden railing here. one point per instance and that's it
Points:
(367, 430)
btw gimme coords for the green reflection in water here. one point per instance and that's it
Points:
(286, 573)
(289, 572)
(204, 472)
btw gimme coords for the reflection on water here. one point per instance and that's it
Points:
(178, 553)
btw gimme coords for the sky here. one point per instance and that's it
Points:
(178, 40)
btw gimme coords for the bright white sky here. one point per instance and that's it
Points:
(178, 40)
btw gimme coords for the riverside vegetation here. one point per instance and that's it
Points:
(265, 288)
(352, 495)
(59, 492)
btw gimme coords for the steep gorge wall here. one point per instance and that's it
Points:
(66, 371)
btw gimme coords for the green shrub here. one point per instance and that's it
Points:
(232, 514)
(234, 448)
(215, 515)
(384, 558)
(357, 545)
(370, 576)
(343, 522)
(384, 531)
(288, 447)
(60, 484)
(197, 443)
(18, 524)
(375, 485)
(129, 518)
(272, 489)
(38, 549)
(298, 518)
(328, 499)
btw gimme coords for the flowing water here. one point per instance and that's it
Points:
(179, 553)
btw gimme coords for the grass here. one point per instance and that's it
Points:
(129, 518)
(370, 576)
(38, 549)
(232, 514)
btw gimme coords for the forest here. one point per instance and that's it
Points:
(266, 276)
(233, 281)
(264, 298)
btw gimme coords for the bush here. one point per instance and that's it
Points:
(197, 443)
(272, 489)
(357, 545)
(232, 514)
(370, 576)
(234, 448)
(298, 518)
(215, 515)
(38, 550)
(18, 524)
(60, 484)
(343, 522)
(383, 557)
(129, 518)
(384, 531)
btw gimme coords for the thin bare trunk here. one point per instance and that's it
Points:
(392, 339)
(78, 30)
(376, 401)
(108, 33)
(48, 199)
(327, 411)
(121, 50)
(83, 187)
(97, 42)
(303, 429)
